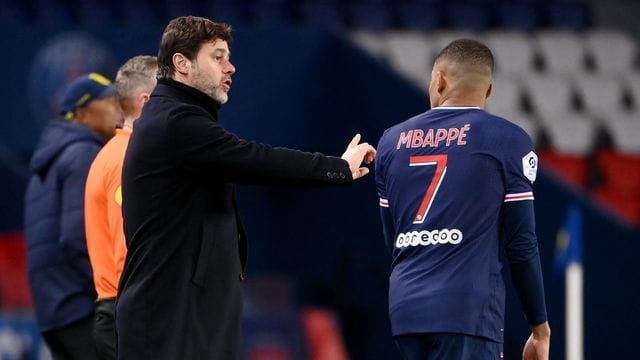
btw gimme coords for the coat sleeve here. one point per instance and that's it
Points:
(205, 147)
(74, 166)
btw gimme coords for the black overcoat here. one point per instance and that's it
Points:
(180, 294)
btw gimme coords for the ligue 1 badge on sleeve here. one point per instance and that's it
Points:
(530, 166)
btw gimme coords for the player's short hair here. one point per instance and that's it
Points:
(137, 75)
(186, 35)
(469, 53)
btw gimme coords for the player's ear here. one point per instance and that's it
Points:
(441, 81)
(489, 91)
(181, 63)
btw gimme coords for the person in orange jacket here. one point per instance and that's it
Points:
(103, 199)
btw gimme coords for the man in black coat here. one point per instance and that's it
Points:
(180, 292)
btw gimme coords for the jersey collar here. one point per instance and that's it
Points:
(455, 108)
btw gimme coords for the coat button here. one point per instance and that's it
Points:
(329, 174)
(241, 277)
(342, 176)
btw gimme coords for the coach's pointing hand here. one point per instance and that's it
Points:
(356, 154)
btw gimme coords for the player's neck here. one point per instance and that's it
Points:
(457, 96)
(460, 101)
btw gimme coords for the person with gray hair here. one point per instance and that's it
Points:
(103, 197)
(134, 82)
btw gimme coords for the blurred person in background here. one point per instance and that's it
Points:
(58, 265)
(103, 199)
(180, 295)
(456, 196)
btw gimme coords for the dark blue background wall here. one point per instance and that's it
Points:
(310, 89)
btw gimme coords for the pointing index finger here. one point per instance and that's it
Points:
(354, 141)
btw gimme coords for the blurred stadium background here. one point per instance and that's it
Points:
(312, 73)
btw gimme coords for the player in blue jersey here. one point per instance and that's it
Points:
(456, 201)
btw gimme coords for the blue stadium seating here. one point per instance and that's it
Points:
(271, 12)
(96, 13)
(523, 16)
(138, 12)
(326, 13)
(52, 12)
(229, 12)
(419, 15)
(369, 15)
(14, 12)
(572, 15)
(473, 16)
(423, 15)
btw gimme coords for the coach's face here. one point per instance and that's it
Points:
(211, 70)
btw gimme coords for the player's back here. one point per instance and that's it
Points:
(444, 176)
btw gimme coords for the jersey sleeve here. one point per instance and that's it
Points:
(383, 201)
(518, 225)
(520, 164)
(388, 229)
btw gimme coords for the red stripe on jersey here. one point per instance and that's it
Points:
(518, 197)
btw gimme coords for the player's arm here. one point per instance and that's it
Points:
(537, 346)
(521, 247)
(388, 230)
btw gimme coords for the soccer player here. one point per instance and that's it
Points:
(456, 199)
(103, 199)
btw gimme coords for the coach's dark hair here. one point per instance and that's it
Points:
(468, 52)
(186, 35)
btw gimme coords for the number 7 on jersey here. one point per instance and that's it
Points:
(440, 161)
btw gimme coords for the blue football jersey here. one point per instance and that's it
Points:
(443, 177)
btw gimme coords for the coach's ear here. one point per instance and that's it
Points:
(181, 63)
